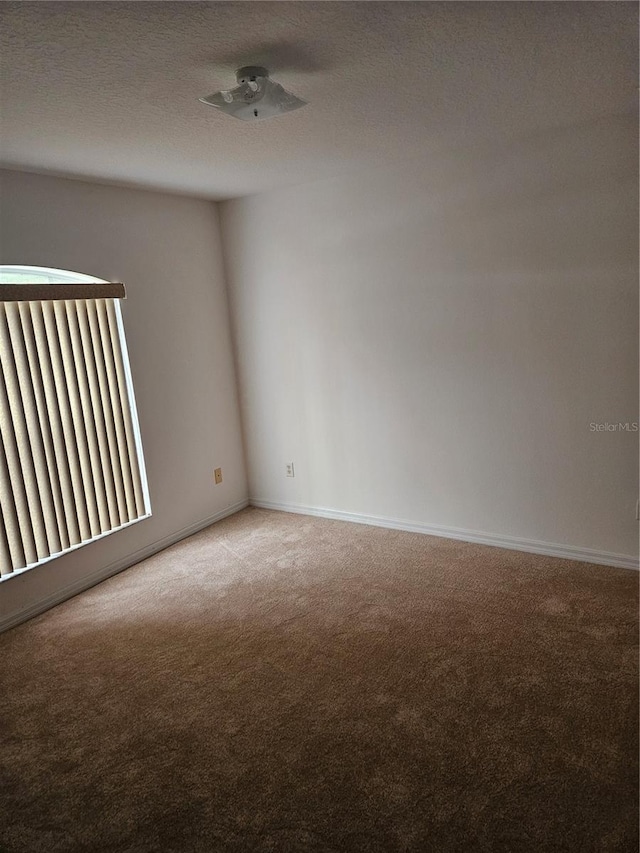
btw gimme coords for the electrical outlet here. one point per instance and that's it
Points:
(217, 475)
(290, 470)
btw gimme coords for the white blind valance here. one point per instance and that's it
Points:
(71, 463)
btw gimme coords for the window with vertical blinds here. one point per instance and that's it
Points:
(71, 462)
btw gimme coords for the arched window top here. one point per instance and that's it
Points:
(21, 274)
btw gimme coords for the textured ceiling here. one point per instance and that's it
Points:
(109, 90)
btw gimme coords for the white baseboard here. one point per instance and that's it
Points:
(86, 582)
(531, 546)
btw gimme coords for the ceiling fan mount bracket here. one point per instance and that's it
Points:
(250, 72)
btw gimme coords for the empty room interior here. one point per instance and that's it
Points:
(319, 417)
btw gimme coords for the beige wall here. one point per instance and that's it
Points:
(431, 343)
(167, 251)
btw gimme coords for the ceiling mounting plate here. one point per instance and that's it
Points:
(256, 97)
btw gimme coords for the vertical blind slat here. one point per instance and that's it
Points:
(125, 408)
(88, 421)
(32, 457)
(76, 497)
(25, 414)
(51, 425)
(31, 379)
(16, 557)
(61, 312)
(97, 413)
(15, 433)
(114, 396)
(107, 410)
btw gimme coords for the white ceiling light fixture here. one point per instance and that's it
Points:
(256, 97)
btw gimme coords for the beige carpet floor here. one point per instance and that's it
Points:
(285, 683)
